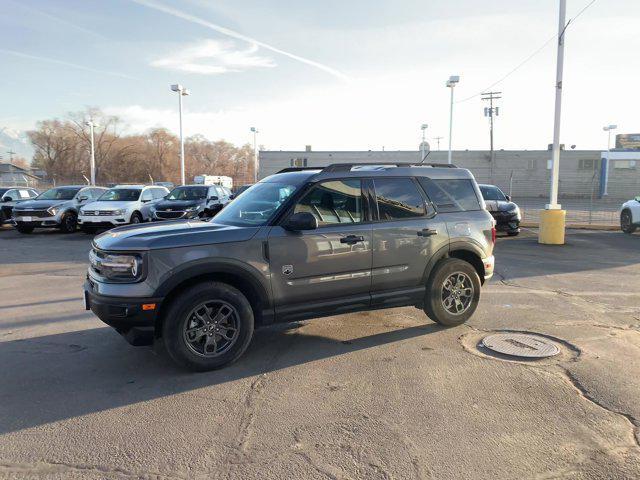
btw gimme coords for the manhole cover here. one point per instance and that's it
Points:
(521, 345)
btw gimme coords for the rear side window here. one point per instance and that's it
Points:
(398, 198)
(334, 202)
(451, 195)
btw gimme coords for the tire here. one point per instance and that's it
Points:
(24, 228)
(3, 217)
(188, 312)
(434, 304)
(135, 218)
(625, 222)
(68, 223)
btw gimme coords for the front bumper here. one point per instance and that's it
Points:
(29, 220)
(133, 318)
(102, 220)
(507, 221)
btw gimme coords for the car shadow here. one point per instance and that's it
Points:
(55, 377)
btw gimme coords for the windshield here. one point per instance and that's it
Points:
(255, 206)
(188, 193)
(492, 193)
(58, 194)
(120, 195)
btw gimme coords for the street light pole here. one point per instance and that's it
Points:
(182, 91)
(451, 83)
(255, 154)
(91, 125)
(552, 219)
(423, 127)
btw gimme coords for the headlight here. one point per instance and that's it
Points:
(191, 209)
(53, 210)
(82, 211)
(117, 267)
(119, 212)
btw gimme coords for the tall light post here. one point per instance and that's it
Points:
(451, 83)
(423, 127)
(605, 164)
(182, 92)
(91, 126)
(552, 219)
(255, 132)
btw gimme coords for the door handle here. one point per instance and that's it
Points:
(351, 239)
(427, 232)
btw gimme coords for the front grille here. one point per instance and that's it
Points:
(98, 213)
(162, 214)
(31, 213)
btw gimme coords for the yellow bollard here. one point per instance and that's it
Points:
(552, 227)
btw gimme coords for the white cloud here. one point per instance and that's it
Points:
(212, 57)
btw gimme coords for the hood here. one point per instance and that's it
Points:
(499, 205)
(171, 234)
(41, 204)
(178, 204)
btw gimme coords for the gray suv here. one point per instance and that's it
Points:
(300, 244)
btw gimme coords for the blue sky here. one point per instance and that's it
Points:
(334, 74)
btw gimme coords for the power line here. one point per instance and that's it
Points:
(542, 47)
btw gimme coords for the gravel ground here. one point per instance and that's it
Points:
(385, 394)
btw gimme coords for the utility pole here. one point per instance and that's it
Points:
(423, 127)
(451, 83)
(437, 139)
(255, 132)
(92, 163)
(491, 112)
(182, 92)
(11, 154)
(552, 218)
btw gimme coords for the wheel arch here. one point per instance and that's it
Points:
(239, 277)
(468, 252)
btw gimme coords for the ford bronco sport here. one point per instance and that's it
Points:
(303, 243)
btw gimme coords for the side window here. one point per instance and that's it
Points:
(13, 194)
(398, 198)
(451, 195)
(24, 194)
(334, 202)
(158, 193)
(147, 195)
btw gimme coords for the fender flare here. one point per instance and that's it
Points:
(444, 252)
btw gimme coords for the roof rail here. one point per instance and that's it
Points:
(299, 169)
(341, 167)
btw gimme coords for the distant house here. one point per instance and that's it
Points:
(11, 175)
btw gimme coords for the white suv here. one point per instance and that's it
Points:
(120, 205)
(630, 215)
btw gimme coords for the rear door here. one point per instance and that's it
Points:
(406, 235)
(327, 269)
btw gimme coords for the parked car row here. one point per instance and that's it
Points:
(91, 208)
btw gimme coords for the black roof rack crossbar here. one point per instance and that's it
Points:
(342, 167)
(299, 169)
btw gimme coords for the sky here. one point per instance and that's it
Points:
(334, 74)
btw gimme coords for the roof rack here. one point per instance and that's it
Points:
(341, 167)
(345, 167)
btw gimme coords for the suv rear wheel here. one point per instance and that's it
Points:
(208, 326)
(453, 292)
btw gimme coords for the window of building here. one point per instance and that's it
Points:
(334, 202)
(451, 195)
(398, 198)
(624, 164)
(298, 162)
(586, 164)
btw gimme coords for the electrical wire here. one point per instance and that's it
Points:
(542, 47)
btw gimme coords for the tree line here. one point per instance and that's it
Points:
(62, 150)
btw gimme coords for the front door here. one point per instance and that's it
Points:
(327, 269)
(406, 237)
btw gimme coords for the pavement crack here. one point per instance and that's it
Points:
(584, 393)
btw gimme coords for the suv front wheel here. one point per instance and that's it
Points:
(453, 292)
(208, 326)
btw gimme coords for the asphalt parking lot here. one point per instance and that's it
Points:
(384, 394)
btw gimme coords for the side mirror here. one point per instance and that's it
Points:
(232, 196)
(213, 198)
(82, 198)
(508, 197)
(638, 198)
(301, 221)
(7, 199)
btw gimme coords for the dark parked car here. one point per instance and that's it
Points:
(506, 213)
(190, 201)
(10, 196)
(300, 244)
